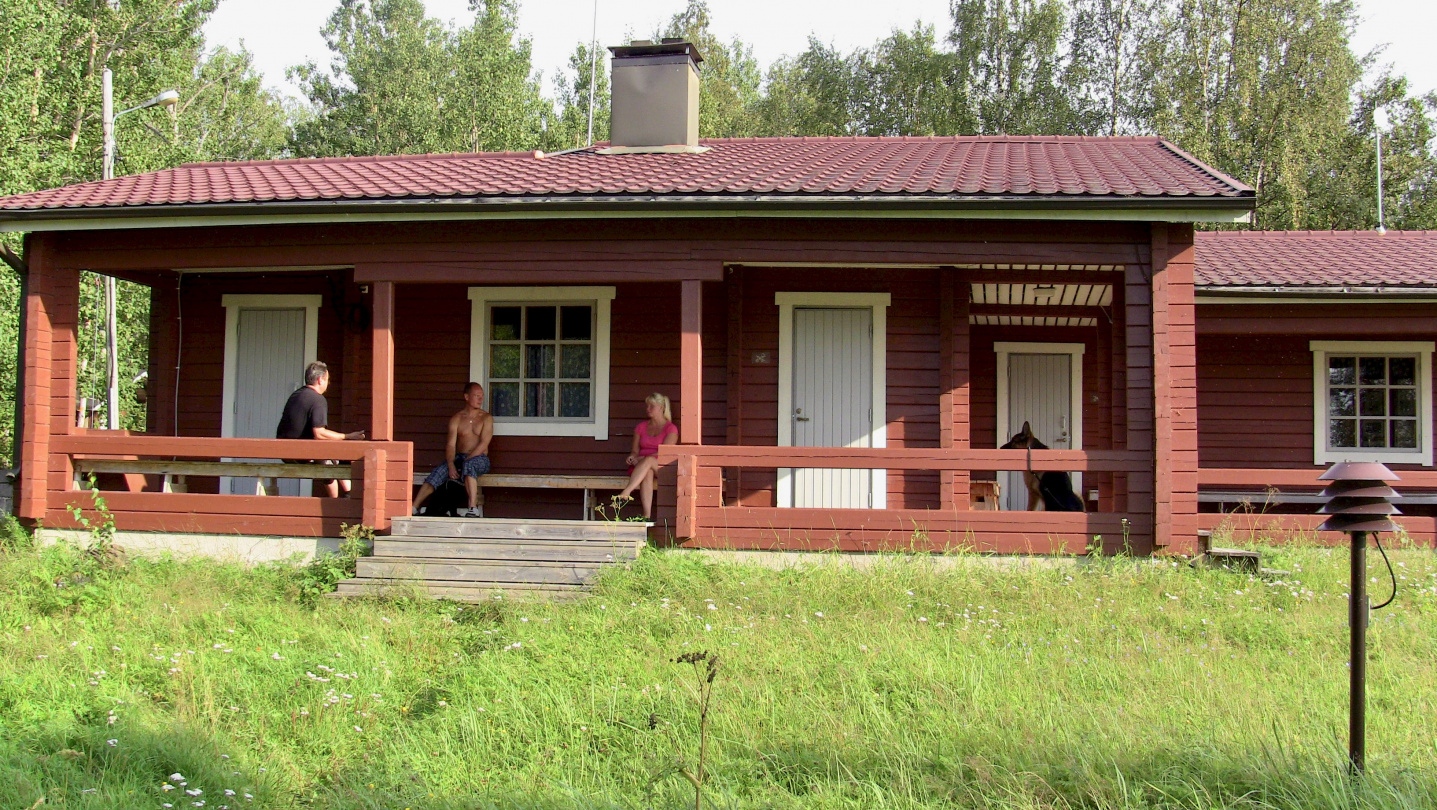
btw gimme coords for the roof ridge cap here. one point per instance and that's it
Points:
(343, 159)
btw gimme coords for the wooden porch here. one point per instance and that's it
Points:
(709, 292)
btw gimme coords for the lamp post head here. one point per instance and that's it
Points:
(169, 98)
(1360, 499)
(1379, 118)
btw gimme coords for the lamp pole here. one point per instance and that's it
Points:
(107, 172)
(1379, 123)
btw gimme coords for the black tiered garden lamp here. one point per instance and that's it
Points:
(1361, 502)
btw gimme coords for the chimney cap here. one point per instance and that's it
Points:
(644, 47)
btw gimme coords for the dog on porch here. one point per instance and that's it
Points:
(1053, 490)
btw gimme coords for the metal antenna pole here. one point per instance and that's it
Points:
(1380, 227)
(593, 70)
(1357, 624)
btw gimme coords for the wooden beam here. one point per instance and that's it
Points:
(909, 458)
(1101, 278)
(1136, 360)
(1181, 426)
(539, 271)
(1037, 311)
(691, 363)
(947, 481)
(734, 391)
(381, 376)
(1162, 392)
(16, 263)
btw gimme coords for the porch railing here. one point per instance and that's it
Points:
(702, 517)
(380, 471)
(1257, 503)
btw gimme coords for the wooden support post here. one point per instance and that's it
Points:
(374, 481)
(36, 398)
(1175, 383)
(691, 363)
(381, 379)
(160, 409)
(1140, 397)
(954, 430)
(687, 499)
(733, 483)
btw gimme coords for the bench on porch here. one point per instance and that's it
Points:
(588, 483)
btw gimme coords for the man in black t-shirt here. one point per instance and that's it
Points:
(306, 416)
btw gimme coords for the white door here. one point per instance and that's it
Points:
(832, 402)
(1039, 393)
(269, 366)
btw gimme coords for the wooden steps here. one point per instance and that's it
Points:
(473, 559)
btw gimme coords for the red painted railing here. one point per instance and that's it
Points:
(704, 520)
(381, 470)
(1273, 495)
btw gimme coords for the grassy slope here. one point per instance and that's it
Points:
(1107, 686)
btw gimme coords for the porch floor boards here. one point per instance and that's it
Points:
(475, 559)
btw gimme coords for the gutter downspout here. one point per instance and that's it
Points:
(23, 270)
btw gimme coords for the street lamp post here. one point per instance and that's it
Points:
(1379, 123)
(107, 172)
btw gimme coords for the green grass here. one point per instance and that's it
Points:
(1114, 685)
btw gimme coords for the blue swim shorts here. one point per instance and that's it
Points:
(471, 467)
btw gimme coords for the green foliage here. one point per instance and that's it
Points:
(326, 571)
(912, 683)
(52, 54)
(404, 83)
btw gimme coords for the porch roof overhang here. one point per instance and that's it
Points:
(1156, 208)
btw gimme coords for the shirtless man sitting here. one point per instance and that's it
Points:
(466, 451)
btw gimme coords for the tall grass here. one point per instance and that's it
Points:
(1129, 684)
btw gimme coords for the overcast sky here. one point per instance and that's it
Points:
(282, 33)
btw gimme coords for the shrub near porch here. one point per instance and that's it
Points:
(903, 685)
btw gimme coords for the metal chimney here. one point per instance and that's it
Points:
(655, 97)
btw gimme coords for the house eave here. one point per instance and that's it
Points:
(1305, 294)
(1136, 209)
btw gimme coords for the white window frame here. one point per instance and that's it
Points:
(601, 297)
(878, 433)
(1321, 349)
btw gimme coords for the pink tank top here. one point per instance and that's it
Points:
(649, 445)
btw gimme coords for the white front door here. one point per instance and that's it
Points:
(269, 361)
(832, 402)
(1040, 391)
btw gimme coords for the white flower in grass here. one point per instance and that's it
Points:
(818, 613)
(167, 787)
(357, 728)
(174, 777)
(229, 792)
(277, 657)
(167, 804)
(194, 792)
(112, 743)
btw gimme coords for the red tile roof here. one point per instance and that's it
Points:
(1012, 167)
(1316, 259)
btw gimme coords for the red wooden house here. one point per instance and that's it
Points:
(1312, 347)
(848, 328)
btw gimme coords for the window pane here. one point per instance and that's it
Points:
(1372, 370)
(574, 361)
(1402, 370)
(1374, 402)
(540, 324)
(504, 323)
(1374, 432)
(576, 323)
(1342, 402)
(1403, 401)
(504, 361)
(538, 399)
(539, 361)
(1342, 433)
(573, 399)
(1342, 370)
(504, 399)
(1404, 433)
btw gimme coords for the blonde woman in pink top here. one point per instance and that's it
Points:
(643, 458)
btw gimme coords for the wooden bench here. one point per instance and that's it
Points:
(588, 483)
(174, 472)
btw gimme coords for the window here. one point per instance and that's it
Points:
(542, 354)
(1372, 401)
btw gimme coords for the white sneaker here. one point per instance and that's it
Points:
(473, 512)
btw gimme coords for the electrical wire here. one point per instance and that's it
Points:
(1376, 538)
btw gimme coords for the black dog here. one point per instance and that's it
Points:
(1053, 489)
